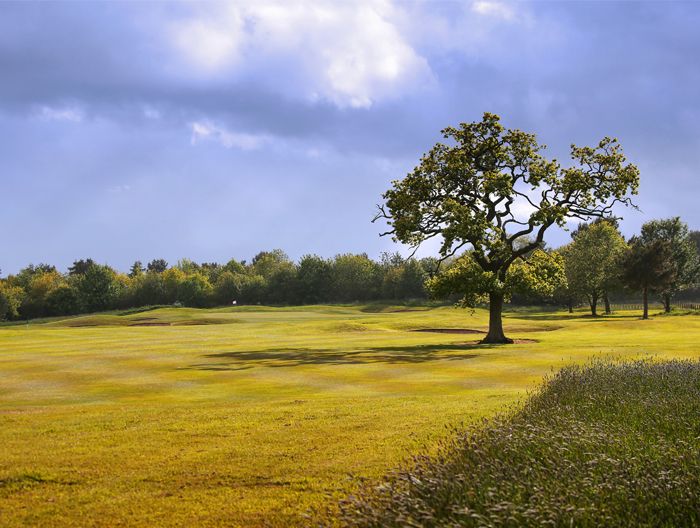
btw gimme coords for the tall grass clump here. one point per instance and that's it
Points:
(601, 445)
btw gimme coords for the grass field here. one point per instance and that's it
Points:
(606, 444)
(252, 416)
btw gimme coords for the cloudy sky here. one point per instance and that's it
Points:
(215, 130)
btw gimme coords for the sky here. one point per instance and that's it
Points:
(213, 131)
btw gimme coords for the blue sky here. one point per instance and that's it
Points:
(216, 130)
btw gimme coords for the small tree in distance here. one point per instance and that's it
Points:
(157, 266)
(593, 261)
(684, 255)
(489, 188)
(648, 266)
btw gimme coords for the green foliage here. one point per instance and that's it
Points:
(649, 265)
(267, 263)
(148, 289)
(355, 278)
(98, 287)
(605, 445)
(469, 192)
(684, 252)
(227, 288)
(253, 289)
(136, 269)
(403, 279)
(194, 290)
(10, 300)
(538, 276)
(80, 267)
(63, 300)
(314, 279)
(157, 265)
(593, 261)
(465, 192)
(37, 291)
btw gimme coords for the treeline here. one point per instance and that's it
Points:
(600, 265)
(270, 278)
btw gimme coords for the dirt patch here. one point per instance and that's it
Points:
(449, 331)
(150, 324)
(141, 319)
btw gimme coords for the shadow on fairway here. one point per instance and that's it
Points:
(292, 357)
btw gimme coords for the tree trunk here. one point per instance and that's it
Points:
(608, 311)
(571, 306)
(594, 305)
(667, 303)
(646, 303)
(496, 334)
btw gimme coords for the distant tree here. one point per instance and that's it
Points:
(98, 288)
(684, 251)
(136, 269)
(157, 265)
(148, 289)
(405, 280)
(10, 300)
(172, 278)
(235, 266)
(81, 266)
(649, 267)
(267, 263)
(355, 278)
(188, 266)
(227, 287)
(63, 300)
(211, 270)
(566, 294)
(314, 279)
(253, 288)
(35, 301)
(195, 290)
(27, 274)
(593, 261)
(472, 192)
(283, 287)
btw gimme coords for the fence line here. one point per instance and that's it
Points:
(655, 306)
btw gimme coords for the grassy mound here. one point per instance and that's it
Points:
(603, 445)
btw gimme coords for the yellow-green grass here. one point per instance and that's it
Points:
(255, 422)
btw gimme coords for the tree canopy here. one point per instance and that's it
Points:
(593, 261)
(684, 254)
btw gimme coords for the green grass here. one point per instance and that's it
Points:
(609, 444)
(255, 422)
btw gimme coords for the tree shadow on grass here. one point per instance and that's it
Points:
(293, 357)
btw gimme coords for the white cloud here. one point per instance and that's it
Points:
(211, 42)
(351, 53)
(48, 113)
(208, 131)
(494, 9)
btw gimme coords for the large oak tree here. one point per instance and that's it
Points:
(489, 187)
